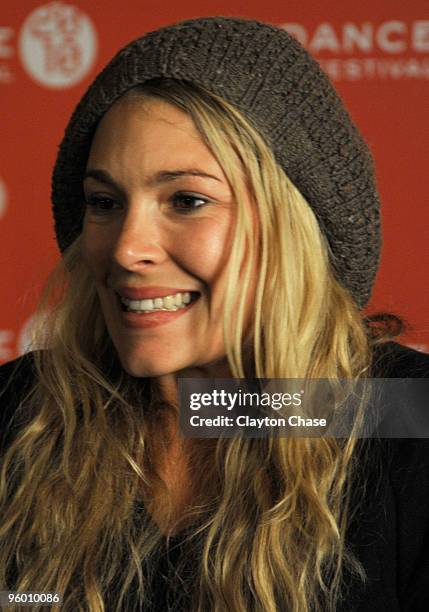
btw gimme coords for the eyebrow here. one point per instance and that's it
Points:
(163, 176)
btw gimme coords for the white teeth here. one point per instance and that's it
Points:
(168, 302)
(133, 304)
(146, 304)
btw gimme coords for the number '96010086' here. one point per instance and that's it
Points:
(29, 598)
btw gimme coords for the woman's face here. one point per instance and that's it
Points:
(157, 236)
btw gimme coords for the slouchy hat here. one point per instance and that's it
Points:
(266, 74)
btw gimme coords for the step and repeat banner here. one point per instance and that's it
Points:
(377, 55)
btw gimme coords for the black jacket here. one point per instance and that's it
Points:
(390, 530)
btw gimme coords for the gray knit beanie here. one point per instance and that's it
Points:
(280, 88)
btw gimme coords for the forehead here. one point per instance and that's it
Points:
(148, 126)
(141, 137)
(143, 110)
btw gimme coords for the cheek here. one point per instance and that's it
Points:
(207, 251)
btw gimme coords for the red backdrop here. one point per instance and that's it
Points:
(377, 54)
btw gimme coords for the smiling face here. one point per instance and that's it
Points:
(157, 236)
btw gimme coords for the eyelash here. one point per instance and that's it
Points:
(96, 201)
(188, 196)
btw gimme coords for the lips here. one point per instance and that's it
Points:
(168, 302)
(135, 320)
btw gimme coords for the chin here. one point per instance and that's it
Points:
(142, 367)
(142, 370)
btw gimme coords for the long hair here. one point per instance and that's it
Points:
(266, 528)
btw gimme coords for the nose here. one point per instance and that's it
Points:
(139, 241)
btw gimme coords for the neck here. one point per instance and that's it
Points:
(168, 383)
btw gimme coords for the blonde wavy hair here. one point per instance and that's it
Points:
(266, 530)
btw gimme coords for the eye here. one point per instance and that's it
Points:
(101, 204)
(188, 202)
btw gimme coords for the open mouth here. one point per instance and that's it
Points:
(167, 303)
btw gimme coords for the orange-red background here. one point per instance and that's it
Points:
(391, 111)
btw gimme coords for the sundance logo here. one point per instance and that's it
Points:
(57, 45)
(392, 37)
(401, 48)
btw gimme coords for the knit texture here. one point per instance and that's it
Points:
(280, 88)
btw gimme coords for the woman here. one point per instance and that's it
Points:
(218, 216)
